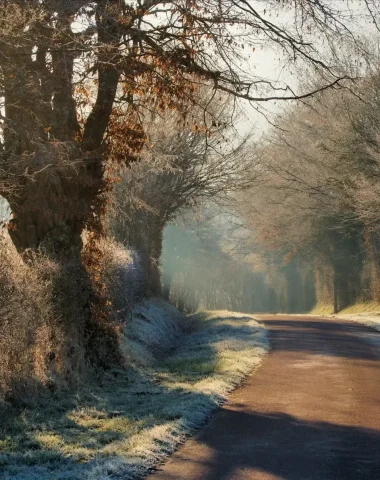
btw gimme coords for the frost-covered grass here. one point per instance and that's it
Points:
(367, 313)
(129, 423)
(362, 308)
(322, 309)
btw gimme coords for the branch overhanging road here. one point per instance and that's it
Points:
(311, 412)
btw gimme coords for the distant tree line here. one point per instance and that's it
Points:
(318, 197)
(203, 270)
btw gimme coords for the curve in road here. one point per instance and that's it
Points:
(311, 412)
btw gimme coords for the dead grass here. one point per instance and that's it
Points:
(360, 308)
(126, 421)
(26, 326)
(357, 308)
(44, 308)
(122, 428)
(322, 309)
(366, 313)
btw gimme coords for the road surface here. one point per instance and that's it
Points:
(311, 411)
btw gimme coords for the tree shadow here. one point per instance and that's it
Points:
(244, 443)
(329, 338)
(280, 446)
(76, 435)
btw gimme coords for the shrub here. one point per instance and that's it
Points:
(44, 304)
(26, 325)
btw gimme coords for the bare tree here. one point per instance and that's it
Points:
(77, 77)
(318, 191)
(180, 168)
(74, 74)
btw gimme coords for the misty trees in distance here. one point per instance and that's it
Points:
(318, 195)
(206, 273)
(179, 168)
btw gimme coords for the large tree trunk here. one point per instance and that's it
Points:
(49, 216)
(54, 202)
(56, 164)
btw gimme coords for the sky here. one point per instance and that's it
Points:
(273, 65)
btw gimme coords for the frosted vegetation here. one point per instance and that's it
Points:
(4, 210)
(124, 426)
(113, 127)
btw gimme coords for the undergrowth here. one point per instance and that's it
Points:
(357, 308)
(44, 310)
(35, 350)
(124, 426)
(322, 309)
(362, 307)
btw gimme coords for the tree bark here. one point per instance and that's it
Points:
(54, 202)
(50, 215)
(155, 271)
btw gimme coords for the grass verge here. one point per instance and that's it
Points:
(322, 309)
(367, 313)
(125, 426)
(362, 308)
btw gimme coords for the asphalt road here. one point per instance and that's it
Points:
(311, 411)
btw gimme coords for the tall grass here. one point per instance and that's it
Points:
(27, 325)
(40, 310)
(322, 309)
(43, 309)
(362, 307)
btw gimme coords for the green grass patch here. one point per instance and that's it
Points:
(193, 365)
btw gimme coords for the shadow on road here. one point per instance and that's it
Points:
(318, 422)
(285, 447)
(328, 337)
